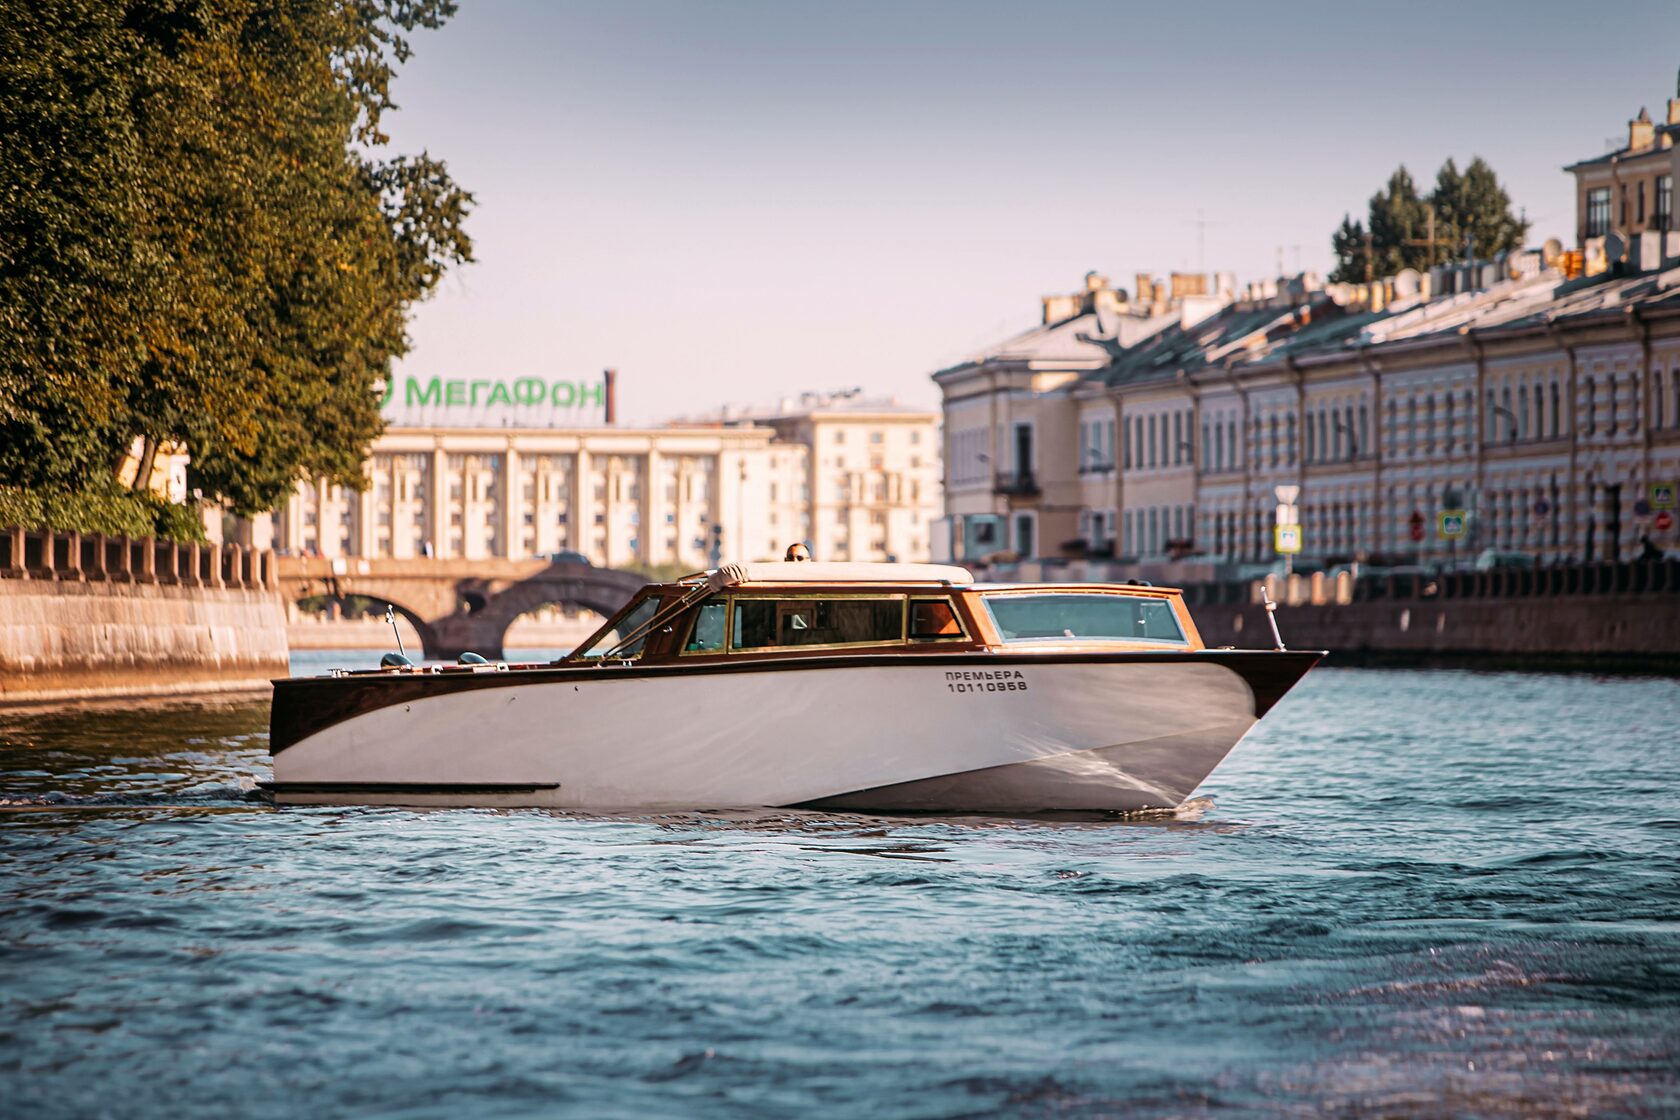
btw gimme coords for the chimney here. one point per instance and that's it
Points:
(1057, 308)
(1641, 132)
(609, 379)
(1188, 284)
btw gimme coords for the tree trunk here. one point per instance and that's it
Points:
(148, 455)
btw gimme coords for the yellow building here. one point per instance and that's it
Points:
(857, 477)
(1628, 194)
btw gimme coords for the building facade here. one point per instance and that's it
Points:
(1630, 191)
(1545, 410)
(857, 477)
(1529, 404)
(854, 479)
(621, 497)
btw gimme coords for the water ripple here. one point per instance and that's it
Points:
(1408, 894)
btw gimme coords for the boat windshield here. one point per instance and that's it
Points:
(1060, 616)
(631, 623)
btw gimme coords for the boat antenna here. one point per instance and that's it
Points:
(391, 617)
(1271, 616)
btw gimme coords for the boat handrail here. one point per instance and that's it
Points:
(715, 580)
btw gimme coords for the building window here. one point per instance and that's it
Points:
(1664, 216)
(1024, 543)
(1598, 212)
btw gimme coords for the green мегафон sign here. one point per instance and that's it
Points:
(488, 402)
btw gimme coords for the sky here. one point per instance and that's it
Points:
(735, 202)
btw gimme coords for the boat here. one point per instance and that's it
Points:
(886, 688)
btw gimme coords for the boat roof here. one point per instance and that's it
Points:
(817, 571)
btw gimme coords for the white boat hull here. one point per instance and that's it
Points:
(1105, 735)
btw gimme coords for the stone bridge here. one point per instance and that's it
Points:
(459, 605)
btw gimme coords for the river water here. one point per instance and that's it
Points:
(1407, 893)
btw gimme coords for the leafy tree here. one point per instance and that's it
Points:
(261, 259)
(69, 270)
(1403, 230)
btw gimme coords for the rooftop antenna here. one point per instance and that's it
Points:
(1201, 223)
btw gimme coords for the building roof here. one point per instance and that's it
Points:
(1065, 342)
(1243, 335)
(849, 403)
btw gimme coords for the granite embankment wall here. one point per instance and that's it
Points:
(84, 616)
(1610, 616)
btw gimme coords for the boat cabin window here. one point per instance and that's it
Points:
(1058, 616)
(707, 634)
(800, 623)
(632, 623)
(934, 620)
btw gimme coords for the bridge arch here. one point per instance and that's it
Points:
(458, 606)
(602, 590)
(423, 628)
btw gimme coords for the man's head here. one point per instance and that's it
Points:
(798, 551)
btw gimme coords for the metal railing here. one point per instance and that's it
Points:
(1637, 577)
(1018, 483)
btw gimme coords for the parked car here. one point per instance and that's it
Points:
(566, 556)
(1489, 559)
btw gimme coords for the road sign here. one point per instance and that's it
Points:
(1287, 515)
(1287, 539)
(1663, 522)
(1542, 508)
(1287, 494)
(1662, 495)
(1416, 523)
(1450, 524)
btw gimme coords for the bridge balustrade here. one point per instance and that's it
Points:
(46, 554)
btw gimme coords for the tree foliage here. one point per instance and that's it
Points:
(1398, 234)
(199, 241)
